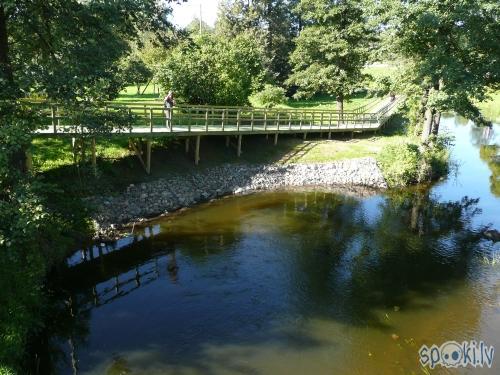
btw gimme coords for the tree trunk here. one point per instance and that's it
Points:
(5, 67)
(428, 120)
(435, 123)
(138, 89)
(340, 106)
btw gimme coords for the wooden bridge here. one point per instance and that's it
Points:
(152, 120)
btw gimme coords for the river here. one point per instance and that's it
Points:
(293, 282)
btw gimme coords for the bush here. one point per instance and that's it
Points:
(407, 163)
(269, 97)
(400, 164)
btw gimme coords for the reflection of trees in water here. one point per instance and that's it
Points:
(349, 261)
(416, 244)
(491, 155)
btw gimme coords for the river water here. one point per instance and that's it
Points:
(308, 282)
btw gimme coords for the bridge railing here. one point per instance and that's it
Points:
(200, 118)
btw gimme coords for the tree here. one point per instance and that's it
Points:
(452, 54)
(213, 69)
(135, 72)
(272, 21)
(331, 49)
(65, 51)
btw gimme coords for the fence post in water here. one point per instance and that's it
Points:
(197, 151)
(148, 156)
(187, 145)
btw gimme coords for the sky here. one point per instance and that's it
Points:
(184, 13)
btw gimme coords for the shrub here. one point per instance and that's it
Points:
(407, 163)
(400, 164)
(270, 96)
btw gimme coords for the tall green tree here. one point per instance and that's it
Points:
(214, 69)
(271, 21)
(451, 51)
(65, 51)
(331, 49)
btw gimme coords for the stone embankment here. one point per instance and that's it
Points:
(166, 195)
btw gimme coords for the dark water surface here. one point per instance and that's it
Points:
(293, 282)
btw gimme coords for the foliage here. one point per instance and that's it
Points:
(399, 164)
(271, 21)
(491, 155)
(135, 72)
(408, 163)
(65, 51)
(270, 96)
(331, 49)
(212, 69)
(450, 49)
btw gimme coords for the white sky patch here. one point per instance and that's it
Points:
(184, 13)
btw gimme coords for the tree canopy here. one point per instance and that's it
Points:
(331, 49)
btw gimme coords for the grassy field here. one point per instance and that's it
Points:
(491, 108)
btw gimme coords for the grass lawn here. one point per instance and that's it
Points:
(491, 108)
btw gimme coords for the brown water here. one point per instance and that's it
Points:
(291, 283)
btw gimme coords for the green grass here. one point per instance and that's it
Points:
(491, 108)
(130, 94)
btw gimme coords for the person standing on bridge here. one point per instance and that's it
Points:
(168, 104)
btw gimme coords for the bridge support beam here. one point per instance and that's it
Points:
(186, 145)
(227, 141)
(148, 156)
(275, 139)
(238, 151)
(305, 136)
(329, 135)
(197, 150)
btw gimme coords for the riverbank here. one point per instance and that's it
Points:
(138, 202)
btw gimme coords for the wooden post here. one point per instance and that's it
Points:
(265, 120)
(53, 115)
(251, 120)
(329, 135)
(197, 151)
(239, 145)
(321, 123)
(94, 158)
(238, 120)
(278, 121)
(223, 119)
(187, 145)
(206, 120)
(290, 121)
(305, 136)
(227, 141)
(151, 120)
(276, 139)
(148, 156)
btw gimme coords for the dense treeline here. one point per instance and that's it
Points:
(83, 52)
